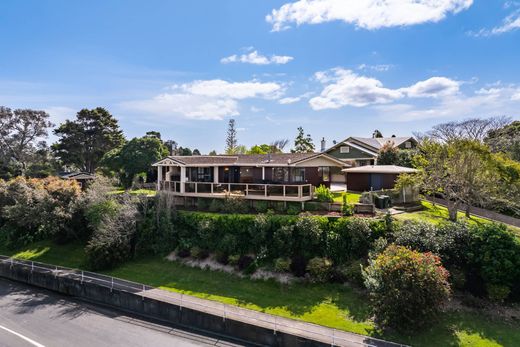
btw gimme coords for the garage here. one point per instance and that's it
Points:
(374, 177)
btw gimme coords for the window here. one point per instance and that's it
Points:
(408, 144)
(324, 172)
(344, 149)
(298, 174)
(280, 174)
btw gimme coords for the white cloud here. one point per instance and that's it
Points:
(346, 88)
(294, 99)
(367, 14)
(205, 99)
(510, 23)
(258, 59)
(378, 67)
(484, 102)
(433, 87)
(289, 100)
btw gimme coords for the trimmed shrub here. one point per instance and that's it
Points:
(234, 204)
(320, 269)
(407, 288)
(349, 238)
(282, 265)
(457, 278)
(346, 208)
(495, 255)
(293, 210)
(351, 272)
(323, 194)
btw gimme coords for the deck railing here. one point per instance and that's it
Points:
(251, 190)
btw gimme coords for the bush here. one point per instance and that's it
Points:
(282, 265)
(199, 253)
(184, 253)
(244, 261)
(406, 287)
(233, 259)
(350, 238)
(351, 273)
(298, 266)
(214, 206)
(497, 293)
(323, 194)
(293, 210)
(222, 258)
(457, 278)
(234, 204)
(261, 206)
(110, 244)
(346, 208)
(320, 269)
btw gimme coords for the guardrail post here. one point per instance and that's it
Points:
(32, 266)
(142, 295)
(56, 272)
(82, 276)
(11, 263)
(224, 317)
(274, 331)
(333, 338)
(111, 284)
(180, 307)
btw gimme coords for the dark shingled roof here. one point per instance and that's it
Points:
(245, 159)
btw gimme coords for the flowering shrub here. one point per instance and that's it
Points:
(406, 287)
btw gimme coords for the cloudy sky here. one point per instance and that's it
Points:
(336, 67)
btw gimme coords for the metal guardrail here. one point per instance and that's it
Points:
(225, 311)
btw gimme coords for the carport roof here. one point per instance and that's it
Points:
(384, 169)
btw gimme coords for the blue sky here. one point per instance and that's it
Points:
(337, 68)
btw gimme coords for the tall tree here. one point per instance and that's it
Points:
(506, 140)
(469, 129)
(377, 134)
(83, 142)
(231, 138)
(20, 130)
(196, 152)
(303, 143)
(213, 152)
(135, 157)
(460, 171)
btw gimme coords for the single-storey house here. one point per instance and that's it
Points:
(278, 177)
(374, 177)
(360, 151)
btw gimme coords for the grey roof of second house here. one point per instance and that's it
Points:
(247, 159)
(379, 142)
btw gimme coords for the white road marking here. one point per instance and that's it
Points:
(32, 342)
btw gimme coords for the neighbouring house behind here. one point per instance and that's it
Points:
(360, 151)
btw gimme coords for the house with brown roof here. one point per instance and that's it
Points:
(360, 151)
(277, 177)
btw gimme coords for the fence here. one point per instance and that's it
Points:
(273, 323)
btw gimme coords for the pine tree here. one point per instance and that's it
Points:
(303, 143)
(231, 139)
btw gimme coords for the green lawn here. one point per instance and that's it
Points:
(330, 305)
(437, 214)
(148, 192)
(352, 198)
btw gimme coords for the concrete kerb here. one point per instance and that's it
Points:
(183, 310)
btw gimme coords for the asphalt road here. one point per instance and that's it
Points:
(33, 317)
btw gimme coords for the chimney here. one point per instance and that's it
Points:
(323, 144)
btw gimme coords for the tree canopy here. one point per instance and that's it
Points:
(84, 141)
(20, 131)
(506, 140)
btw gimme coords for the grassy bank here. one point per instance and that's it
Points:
(331, 305)
(438, 213)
